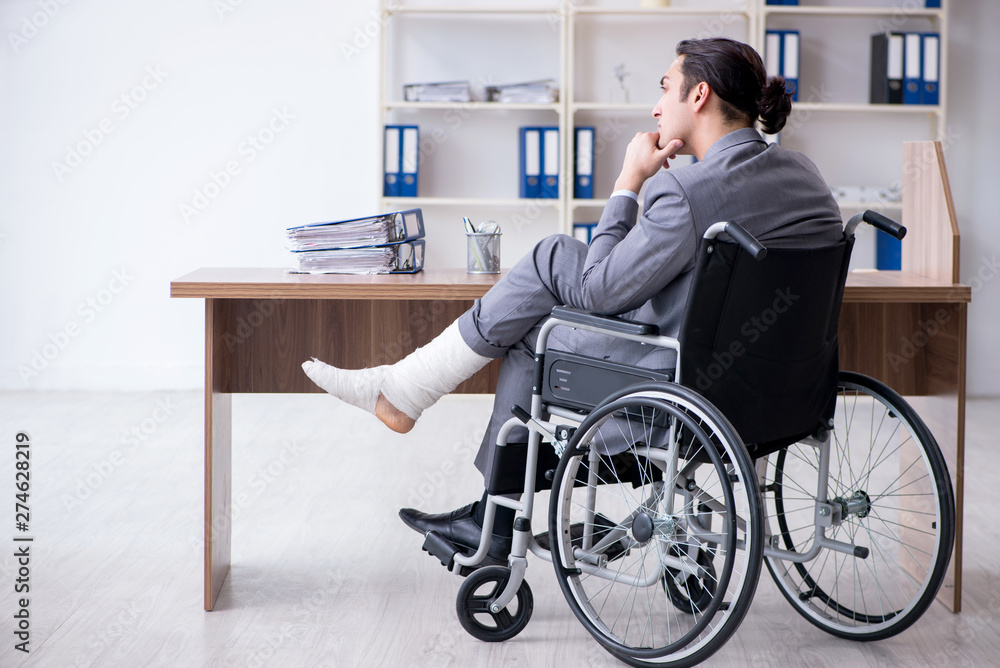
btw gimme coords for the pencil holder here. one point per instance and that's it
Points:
(482, 252)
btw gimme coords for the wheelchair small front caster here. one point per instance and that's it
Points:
(475, 599)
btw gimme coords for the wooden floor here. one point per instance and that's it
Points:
(324, 573)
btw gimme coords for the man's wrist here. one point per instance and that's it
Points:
(629, 182)
(625, 192)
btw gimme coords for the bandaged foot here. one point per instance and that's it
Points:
(398, 394)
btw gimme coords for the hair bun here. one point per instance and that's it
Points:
(773, 105)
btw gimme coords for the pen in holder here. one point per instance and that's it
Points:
(482, 249)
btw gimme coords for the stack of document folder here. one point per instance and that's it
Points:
(532, 92)
(444, 91)
(384, 244)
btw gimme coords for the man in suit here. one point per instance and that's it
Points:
(637, 265)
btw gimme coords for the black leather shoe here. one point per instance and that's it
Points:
(460, 528)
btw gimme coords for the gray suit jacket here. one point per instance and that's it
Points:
(639, 266)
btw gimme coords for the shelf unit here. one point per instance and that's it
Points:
(574, 30)
(887, 18)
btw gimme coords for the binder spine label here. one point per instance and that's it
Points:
(531, 163)
(583, 185)
(550, 163)
(390, 162)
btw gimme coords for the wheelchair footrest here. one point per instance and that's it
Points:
(442, 548)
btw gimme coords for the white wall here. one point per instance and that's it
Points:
(974, 172)
(87, 251)
(225, 71)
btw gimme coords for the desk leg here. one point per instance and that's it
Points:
(218, 462)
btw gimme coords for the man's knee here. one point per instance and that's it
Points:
(559, 253)
(561, 243)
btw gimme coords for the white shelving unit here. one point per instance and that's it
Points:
(576, 42)
(891, 17)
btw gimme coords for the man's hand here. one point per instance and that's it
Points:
(643, 158)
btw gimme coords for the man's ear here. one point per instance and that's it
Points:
(700, 95)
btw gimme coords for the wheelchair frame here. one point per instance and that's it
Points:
(760, 543)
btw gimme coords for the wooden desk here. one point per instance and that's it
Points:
(261, 324)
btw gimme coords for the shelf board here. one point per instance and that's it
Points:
(460, 9)
(852, 11)
(848, 205)
(796, 106)
(412, 202)
(660, 11)
(611, 106)
(867, 108)
(475, 106)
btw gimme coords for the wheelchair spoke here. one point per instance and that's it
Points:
(656, 585)
(887, 476)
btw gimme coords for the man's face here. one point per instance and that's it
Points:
(673, 115)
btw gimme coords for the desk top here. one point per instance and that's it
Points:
(455, 284)
(273, 283)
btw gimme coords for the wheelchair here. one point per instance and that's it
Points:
(670, 490)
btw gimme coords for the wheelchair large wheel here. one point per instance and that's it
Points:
(888, 495)
(670, 581)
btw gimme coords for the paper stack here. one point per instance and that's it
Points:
(532, 92)
(384, 244)
(444, 91)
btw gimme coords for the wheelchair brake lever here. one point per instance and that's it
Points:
(525, 417)
(560, 436)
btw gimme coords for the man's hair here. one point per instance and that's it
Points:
(736, 74)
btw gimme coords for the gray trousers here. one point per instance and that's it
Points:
(506, 321)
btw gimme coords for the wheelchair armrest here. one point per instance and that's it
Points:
(608, 322)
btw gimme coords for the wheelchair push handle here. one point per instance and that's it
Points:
(876, 220)
(742, 237)
(883, 223)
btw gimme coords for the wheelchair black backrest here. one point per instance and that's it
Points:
(759, 338)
